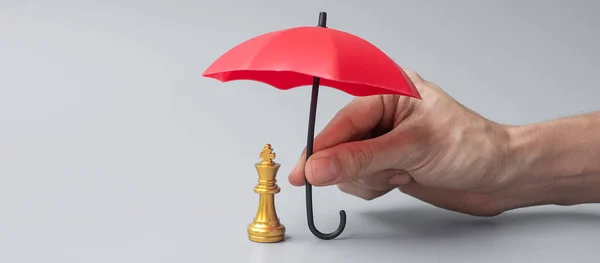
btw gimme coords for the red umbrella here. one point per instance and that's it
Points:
(303, 56)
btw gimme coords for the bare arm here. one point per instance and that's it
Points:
(557, 162)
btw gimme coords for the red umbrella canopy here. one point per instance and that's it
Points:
(290, 58)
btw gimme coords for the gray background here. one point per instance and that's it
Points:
(113, 148)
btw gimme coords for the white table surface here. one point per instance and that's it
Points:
(113, 148)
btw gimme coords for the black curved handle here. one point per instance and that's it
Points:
(309, 152)
(311, 222)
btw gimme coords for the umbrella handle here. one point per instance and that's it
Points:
(308, 186)
(311, 222)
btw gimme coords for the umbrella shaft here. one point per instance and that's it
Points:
(313, 106)
(312, 117)
(309, 145)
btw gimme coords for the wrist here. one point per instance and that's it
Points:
(554, 163)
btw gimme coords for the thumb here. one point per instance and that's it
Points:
(349, 161)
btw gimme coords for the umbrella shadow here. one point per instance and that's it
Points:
(428, 223)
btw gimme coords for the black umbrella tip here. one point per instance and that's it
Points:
(323, 19)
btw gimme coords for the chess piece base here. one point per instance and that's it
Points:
(263, 233)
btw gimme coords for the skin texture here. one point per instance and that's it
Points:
(442, 153)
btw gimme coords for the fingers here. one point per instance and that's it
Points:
(339, 156)
(400, 179)
(364, 193)
(351, 123)
(296, 177)
(442, 198)
(380, 181)
(350, 161)
(375, 185)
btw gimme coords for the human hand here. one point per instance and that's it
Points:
(433, 149)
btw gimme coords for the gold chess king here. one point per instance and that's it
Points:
(266, 227)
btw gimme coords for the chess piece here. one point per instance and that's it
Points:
(266, 227)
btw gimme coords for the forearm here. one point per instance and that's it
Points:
(556, 162)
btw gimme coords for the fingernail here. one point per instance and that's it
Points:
(324, 170)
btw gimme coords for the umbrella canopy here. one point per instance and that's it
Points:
(290, 58)
(303, 56)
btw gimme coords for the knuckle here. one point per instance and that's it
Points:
(360, 158)
(413, 75)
